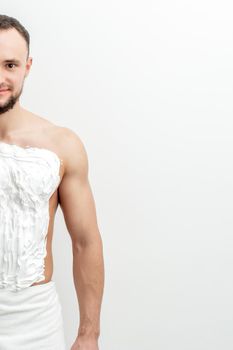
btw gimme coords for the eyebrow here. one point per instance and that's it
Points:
(12, 60)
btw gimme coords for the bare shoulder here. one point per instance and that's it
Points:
(72, 150)
(64, 141)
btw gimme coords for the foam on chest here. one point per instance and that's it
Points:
(28, 176)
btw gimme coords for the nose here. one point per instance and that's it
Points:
(2, 80)
(3, 84)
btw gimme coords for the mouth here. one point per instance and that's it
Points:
(2, 92)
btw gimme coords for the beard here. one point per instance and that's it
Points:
(9, 104)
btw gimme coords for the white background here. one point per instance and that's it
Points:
(147, 85)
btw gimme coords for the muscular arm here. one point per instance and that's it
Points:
(78, 207)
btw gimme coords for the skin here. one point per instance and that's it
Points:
(74, 194)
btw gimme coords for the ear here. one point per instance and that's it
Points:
(28, 66)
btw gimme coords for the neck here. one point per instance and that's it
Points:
(12, 121)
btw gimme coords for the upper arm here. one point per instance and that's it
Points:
(75, 194)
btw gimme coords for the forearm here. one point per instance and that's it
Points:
(88, 274)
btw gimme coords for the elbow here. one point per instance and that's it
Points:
(87, 241)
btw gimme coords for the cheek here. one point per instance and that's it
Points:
(16, 81)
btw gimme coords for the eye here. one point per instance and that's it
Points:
(11, 64)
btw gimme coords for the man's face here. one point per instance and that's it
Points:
(14, 67)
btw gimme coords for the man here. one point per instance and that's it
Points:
(42, 165)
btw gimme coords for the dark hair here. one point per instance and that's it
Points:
(7, 22)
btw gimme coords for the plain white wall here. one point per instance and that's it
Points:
(147, 85)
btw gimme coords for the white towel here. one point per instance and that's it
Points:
(31, 319)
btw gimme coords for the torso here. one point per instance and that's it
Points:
(44, 134)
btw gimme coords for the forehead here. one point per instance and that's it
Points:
(12, 44)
